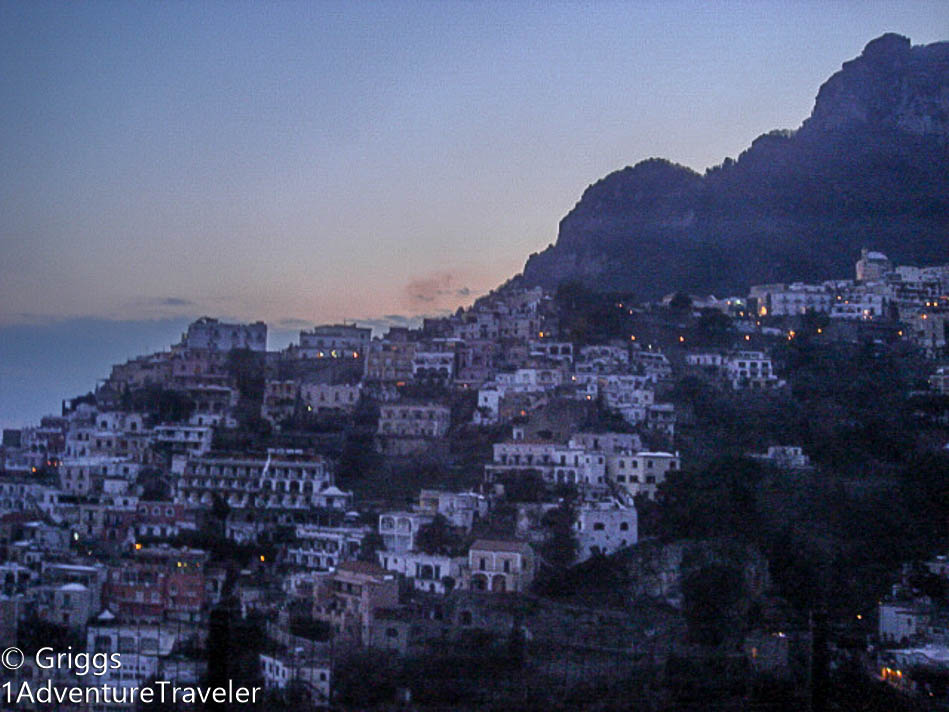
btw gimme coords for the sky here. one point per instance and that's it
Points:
(305, 163)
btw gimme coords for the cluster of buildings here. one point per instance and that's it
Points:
(105, 506)
(910, 648)
(913, 296)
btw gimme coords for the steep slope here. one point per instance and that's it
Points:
(870, 166)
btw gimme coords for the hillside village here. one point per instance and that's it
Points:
(544, 499)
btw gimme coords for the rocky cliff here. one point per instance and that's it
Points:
(870, 166)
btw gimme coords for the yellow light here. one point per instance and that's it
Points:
(632, 338)
(747, 338)
(859, 617)
(681, 339)
(263, 558)
(899, 333)
(763, 311)
(820, 331)
(138, 547)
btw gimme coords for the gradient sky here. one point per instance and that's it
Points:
(308, 162)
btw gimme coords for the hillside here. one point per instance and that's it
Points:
(870, 166)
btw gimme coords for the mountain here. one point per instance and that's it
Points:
(869, 167)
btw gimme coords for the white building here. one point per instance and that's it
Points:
(342, 397)
(194, 440)
(461, 509)
(421, 420)
(434, 363)
(335, 341)
(426, 571)
(789, 457)
(602, 359)
(902, 620)
(489, 405)
(641, 472)
(604, 528)
(859, 305)
(528, 380)
(212, 335)
(555, 462)
(321, 548)
(300, 670)
(399, 529)
(282, 480)
(872, 266)
(750, 369)
(552, 350)
(606, 442)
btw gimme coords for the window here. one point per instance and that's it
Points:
(599, 526)
(483, 564)
(624, 526)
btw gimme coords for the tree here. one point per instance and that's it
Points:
(712, 596)
(371, 543)
(680, 301)
(439, 537)
(715, 328)
(561, 548)
(523, 486)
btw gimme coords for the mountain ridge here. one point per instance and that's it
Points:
(869, 166)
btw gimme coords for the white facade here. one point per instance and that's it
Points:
(427, 571)
(423, 420)
(461, 509)
(310, 674)
(750, 369)
(280, 481)
(529, 380)
(323, 548)
(553, 350)
(335, 341)
(556, 463)
(326, 396)
(489, 405)
(901, 621)
(192, 439)
(399, 529)
(212, 335)
(604, 528)
(641, 472)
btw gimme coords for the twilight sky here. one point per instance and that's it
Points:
(308, 162)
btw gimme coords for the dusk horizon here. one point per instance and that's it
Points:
(363, 356)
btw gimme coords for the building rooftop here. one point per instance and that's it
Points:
(501, 545)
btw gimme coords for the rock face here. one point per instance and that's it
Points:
(870, 166)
